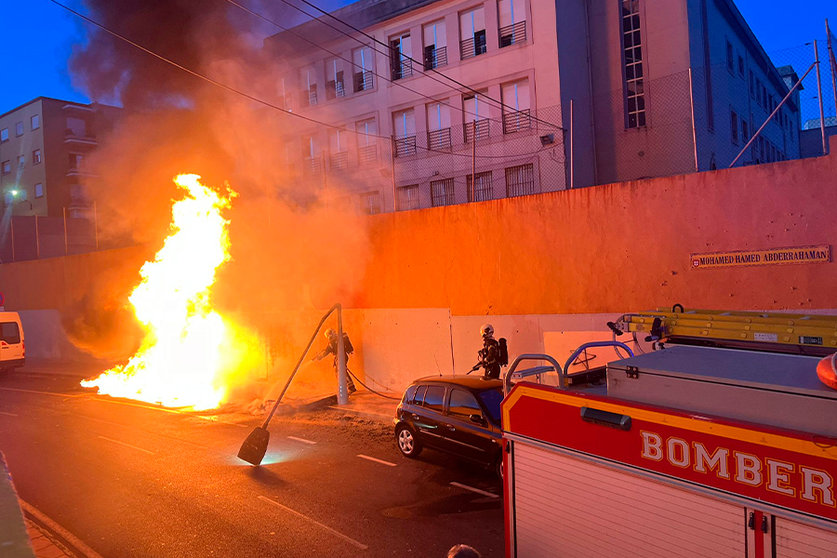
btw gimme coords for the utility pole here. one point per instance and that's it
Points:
(819, 96)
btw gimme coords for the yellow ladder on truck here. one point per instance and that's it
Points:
(814, 332)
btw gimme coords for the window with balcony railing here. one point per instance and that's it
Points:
(339, 160)
(520, 180)
(473, 46)
(479, 129)
(512, 34)
(481, 190)
(368, 153)
(435, 57)
(312, 165)
(402, 68)
(363, 80)
(308, 97)
(442, 192)
(400, 54)
(439, 139)
(516, 120)
(371, 202)
(334, 88)
(404, 146)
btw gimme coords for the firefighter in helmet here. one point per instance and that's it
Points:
(331, 348)
(489, 355)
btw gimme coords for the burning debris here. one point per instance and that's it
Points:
(189, 350)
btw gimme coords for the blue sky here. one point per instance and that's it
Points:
(40, 38)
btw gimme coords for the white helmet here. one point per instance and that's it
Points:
(487, 330)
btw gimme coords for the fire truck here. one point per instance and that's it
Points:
(718, 440)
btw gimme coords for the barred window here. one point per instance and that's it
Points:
(438, 126)
(404, 125)
(481, 190)
(363, 61)
(408, 197)
(512, 19)
(435, 45)
(632, 62)
(516, 114)
(400, 56)
(371, 202)
(520, 180)
(472, 33)
(441, 192)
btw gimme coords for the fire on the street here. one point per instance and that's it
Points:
(190, 353)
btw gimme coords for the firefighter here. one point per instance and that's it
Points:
(489, 355)
(331, 348)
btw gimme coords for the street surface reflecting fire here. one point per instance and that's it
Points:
(190, 353)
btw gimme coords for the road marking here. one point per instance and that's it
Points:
(303, 440)
(126, 445)
(38, 517)
(376, 460)
(40, 392)
(472, 489)
(350, 540)
(7, 414)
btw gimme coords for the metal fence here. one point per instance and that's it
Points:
(33, 237)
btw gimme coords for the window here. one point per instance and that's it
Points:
(632, 63)
(371, 203)
(475, 114)
(4, 134)
(512, 22)
(516, 115)
(76, 127)
(39, 190)
(434, 397)
(463, 404)
(21, 161)
(334, 78)
(400, 54)
(19, 129)
(438, 126)
(752, 87)
(339, 157)
(408, 197)
(363, 66)
(75, 161)
(472, 33)
(36, 157)
(404, 126)
(520, 180)
(435, 45)
(6, 167)
(419, 397)
(367, 144)
(441, 192)
(308, 79)
(745, 131)
(740, 65)
(311, 155)
(730, 60)
(10, 332)
(36, 121)
(733, 126)
(482, 190)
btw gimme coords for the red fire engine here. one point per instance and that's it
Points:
(722, 442)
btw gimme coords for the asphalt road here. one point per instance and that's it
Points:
(130, 480)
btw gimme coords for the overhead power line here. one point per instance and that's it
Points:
(262, 101)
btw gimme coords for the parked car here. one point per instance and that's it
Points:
(459, 415)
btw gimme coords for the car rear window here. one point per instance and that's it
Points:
(9, 332)
(491, 399)
(434, 397)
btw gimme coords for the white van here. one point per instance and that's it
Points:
(12, 348)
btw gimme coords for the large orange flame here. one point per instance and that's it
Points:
(189, 350)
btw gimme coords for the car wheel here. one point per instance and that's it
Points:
(408, 445)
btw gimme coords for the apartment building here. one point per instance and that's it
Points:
(43, 144)
(430, 103)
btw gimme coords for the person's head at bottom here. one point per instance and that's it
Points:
(463, 551)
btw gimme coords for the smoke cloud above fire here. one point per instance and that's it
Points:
(295, 251)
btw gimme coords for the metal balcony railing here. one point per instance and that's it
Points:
(439, 139)
(339, 160)
(480, 129)
(312, 165)
(368, 153)
(473, 46)
(402, 69)
(363, 80)
(435, 57)
(404, 146)
(516, 120)
(512, 34)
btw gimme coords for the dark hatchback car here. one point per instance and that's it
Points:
(459, 415)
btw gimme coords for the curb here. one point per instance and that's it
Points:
(57, 534)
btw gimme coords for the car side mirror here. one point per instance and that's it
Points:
(478, 419)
